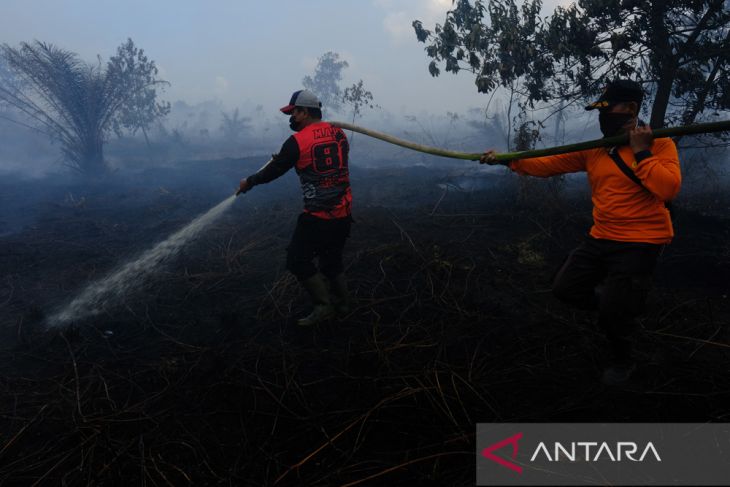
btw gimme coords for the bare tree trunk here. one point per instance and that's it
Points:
(91, 161)
(661, 101)
(667, 62)
(559, 121)
(146, 139)
(699, 103)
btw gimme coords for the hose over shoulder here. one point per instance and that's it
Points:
(700, 128)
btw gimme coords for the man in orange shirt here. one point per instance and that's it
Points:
(611, 271)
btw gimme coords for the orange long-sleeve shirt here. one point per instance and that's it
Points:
(622, 210)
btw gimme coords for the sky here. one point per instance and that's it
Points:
(256, 52)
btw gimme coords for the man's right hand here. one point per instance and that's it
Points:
(489, 158)
(243, 186)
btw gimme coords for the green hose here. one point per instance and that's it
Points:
(700, 128)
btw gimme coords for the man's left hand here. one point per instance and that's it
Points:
(489, 158)
(640, 139)
(243, 186)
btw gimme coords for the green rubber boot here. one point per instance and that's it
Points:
(323, 311)
(340, 295)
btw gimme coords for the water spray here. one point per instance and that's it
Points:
(99, 295)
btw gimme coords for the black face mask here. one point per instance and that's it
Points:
(612, 123)
(293, 124)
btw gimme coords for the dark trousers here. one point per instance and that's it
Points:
(317, 237)
(612, 277)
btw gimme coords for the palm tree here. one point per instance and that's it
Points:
(79, 103)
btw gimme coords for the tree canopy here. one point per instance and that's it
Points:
(325, 82)
(358, 98)
(132, 69)
(678, 49)
(80, 103)
(234, 126)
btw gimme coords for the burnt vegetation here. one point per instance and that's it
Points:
(203, 378)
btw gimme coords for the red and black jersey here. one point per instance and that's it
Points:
(319, 152)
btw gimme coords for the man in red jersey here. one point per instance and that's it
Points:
(319, 153)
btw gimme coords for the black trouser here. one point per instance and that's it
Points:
(317, 237)
(613, 277)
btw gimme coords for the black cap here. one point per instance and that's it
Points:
(617, 91)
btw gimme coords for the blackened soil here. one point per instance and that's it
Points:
(202, 377)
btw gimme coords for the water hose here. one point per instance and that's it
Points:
(700, 128)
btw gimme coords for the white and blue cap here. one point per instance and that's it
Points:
(302, 98)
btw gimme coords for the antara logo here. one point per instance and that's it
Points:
(592, 451)
(512, 440)
(602, 451)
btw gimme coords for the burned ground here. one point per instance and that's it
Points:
(202, 377)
